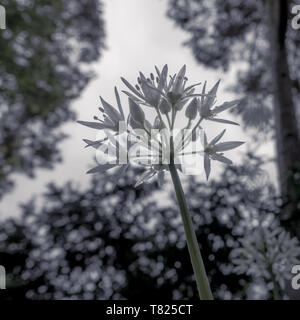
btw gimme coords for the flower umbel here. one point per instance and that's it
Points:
(157, 146)
(167, 97)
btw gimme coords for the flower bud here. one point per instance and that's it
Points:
(136, 112)
(191, 110)
(134, 125)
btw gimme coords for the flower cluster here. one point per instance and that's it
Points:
(268, 253)
(135, 140)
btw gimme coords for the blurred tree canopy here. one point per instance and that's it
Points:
(256, 39)
(104, 243)
(43, 52)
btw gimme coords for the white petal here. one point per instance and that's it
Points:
(217, 138)
(132, 97)
(207, 166)
(191, 87)
(222, 159)
(214, 89)
(101, 168)
(209, 100)
(225, 106)
(111, 111)
(119, 103)
(94, 144)
(223, 121)
(163, 78)
(136, 111)
(132, 88)
(203, 138)
(224, 146)
(145, 176)
(203, 98)
(179, 80)
(94, 125)
(152, 95)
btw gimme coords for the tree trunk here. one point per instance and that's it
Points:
(287, 135)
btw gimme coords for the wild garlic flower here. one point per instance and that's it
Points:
(135, 140)
(111, 117)
(212, 150)
(207, 102)
(269, 253)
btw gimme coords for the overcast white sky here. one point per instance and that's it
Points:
(139, 36)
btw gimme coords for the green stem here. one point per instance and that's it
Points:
(197, 262)
(169, 121)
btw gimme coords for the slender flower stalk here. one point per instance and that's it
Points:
(193, 247)
(158, 147)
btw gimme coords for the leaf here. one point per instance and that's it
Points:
(94, 125)
(225, 146)
(101, 168)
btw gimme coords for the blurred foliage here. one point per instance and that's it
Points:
(104, 243)
(43, 52)
(234, 34)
